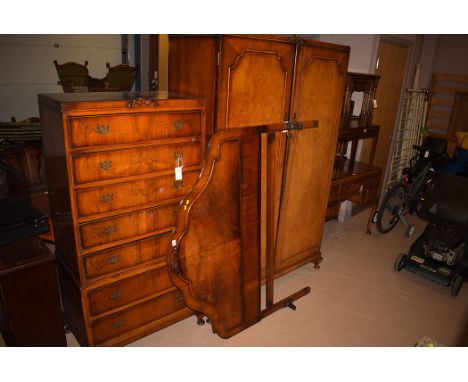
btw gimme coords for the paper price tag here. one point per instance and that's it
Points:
(426, 154)
(178, 173)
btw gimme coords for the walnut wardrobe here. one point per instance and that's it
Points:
(251, 80)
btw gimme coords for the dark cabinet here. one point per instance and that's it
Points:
(30, 312)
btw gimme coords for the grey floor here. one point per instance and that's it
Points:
(356, 299)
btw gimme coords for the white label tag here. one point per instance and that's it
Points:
(174, 243)
(178, 173)
(426, 154)
(374, 103)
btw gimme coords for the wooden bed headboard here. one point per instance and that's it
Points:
(448, 106)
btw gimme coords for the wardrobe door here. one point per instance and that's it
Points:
(255, 80)
(319, 86)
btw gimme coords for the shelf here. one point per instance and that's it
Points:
(345, 169)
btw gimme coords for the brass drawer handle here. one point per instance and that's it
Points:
(107, 198)
(118, 324)
(110, 229)
(105, 165)
(113, 259)
(116, 294)
(178, 184)
(178, 155)
(178, 124)
(102, 129)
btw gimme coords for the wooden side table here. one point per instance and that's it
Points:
(355, 181)
(30, 313)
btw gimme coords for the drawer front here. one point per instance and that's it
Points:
(133, 194)
(351, 187)
(130, 319)
(132, 128)
(119, 258)
(123, 163)
(128, 291)
(372, 181)
(333, 210)
(334, 192)
(129, 225)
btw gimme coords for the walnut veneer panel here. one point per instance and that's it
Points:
(125, 256)
(119, 324)
(126, 226)
(255, 82)
(216, 257)
(318, 89)
(264, 79)
(132, 194)
(111, 170)
(116, 164)
(129, 290)
(129, 128)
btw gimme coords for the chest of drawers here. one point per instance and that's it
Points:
(111, 160)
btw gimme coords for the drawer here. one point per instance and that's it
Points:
(369, 194)
(128, 291)
(133, 318)
(353, 186)
(334, 192)
(372, 181)
(123, 163)
(333, 209)
(133, 194)
(128, 225)
(116, 259)
(132, 128)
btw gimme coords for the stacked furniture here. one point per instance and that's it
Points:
(356, 181)
(111, 160)
(262, 80)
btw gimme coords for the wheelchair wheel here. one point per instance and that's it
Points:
(400, 262)
(392, 205)
(457, 283)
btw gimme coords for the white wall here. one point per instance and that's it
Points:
(26, 64)
(363, 49)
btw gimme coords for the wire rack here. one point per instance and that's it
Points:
(409, 132)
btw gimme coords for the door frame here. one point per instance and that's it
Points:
(391, 39)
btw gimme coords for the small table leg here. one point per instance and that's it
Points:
(371, 216)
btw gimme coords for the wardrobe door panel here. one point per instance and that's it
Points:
(318, 95)
(255, 81)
